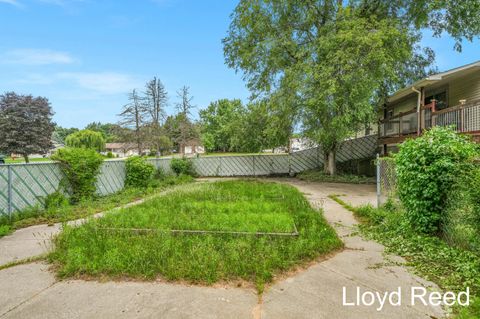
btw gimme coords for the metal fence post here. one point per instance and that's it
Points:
(10, 197)
(378, 180)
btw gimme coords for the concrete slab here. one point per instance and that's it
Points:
(22, 283)
(30, 291)
(89, 299)
(318, 292)
(27, 242)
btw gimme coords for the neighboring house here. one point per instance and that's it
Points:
(300, 144)
(122, 149)
(56, 145)
(443, 99)
(192, 147)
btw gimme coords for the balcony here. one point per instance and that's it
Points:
(465, 118)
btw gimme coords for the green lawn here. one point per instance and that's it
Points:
(20, 160)
(116, 247)
(238, 154)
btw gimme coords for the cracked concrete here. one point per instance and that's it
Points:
(31, 290)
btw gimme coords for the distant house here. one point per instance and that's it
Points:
(300, 144)
(122, 149)
(450, 98)
(192, 147)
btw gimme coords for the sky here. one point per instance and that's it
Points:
(86, 55)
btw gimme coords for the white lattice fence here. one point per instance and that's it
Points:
(3, 189)
(111, 178)
(29, 183)
(359, 148)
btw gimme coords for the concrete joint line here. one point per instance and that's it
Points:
(27, 300)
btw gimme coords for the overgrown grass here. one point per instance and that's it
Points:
(200, 258)
(453, 269)
(39, 215)
(320, 176)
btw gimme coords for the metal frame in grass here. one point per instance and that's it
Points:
(295, 233)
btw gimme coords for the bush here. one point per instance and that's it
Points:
(159, 174)
(110, 155)
(81, 167)
(182, 166)
(55, 204)
(139, 172)
(86, 139)
(426, 170)
(462, 223)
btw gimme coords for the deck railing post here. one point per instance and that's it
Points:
(378, 180)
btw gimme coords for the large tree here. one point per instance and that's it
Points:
(337, 59)
(221, 123)
(61, 133)
(133, 118)
(26, 125)
(108, 130)
(184, 108)
(156, 99)
(86, 139)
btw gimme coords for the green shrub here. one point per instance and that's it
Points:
(110, 155)
(5, 230)
(139, 172)
(182, 166)
(159, 174)
(86, 139)
(462, 222)
(426, 170)
(81, 167)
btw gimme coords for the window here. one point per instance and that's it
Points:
(388, 116)
(440, 100)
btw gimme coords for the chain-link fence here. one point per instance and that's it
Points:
(386, 180)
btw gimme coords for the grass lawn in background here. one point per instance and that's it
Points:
(137, 241)
(20, 160)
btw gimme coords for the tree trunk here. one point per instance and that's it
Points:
(27, 160)
(330, 165)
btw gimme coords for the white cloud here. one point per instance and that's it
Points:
(36, 57)
(34, 78)
(12, 2)
(102, 82)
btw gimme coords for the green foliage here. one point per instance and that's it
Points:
(461, 226)
(110, 155)
(109, 131)
(55, 204)
(138, 172)
(320, 176)
(81, 167)
(221, 123)
(40, 215)
(228, 125)
(86, 139)
(201, 258)
(453, 269)
(472, 312)
(61, 133)
(426, 171)
(5, 230)
(26, 125)
(286, 49)
(182, 166)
